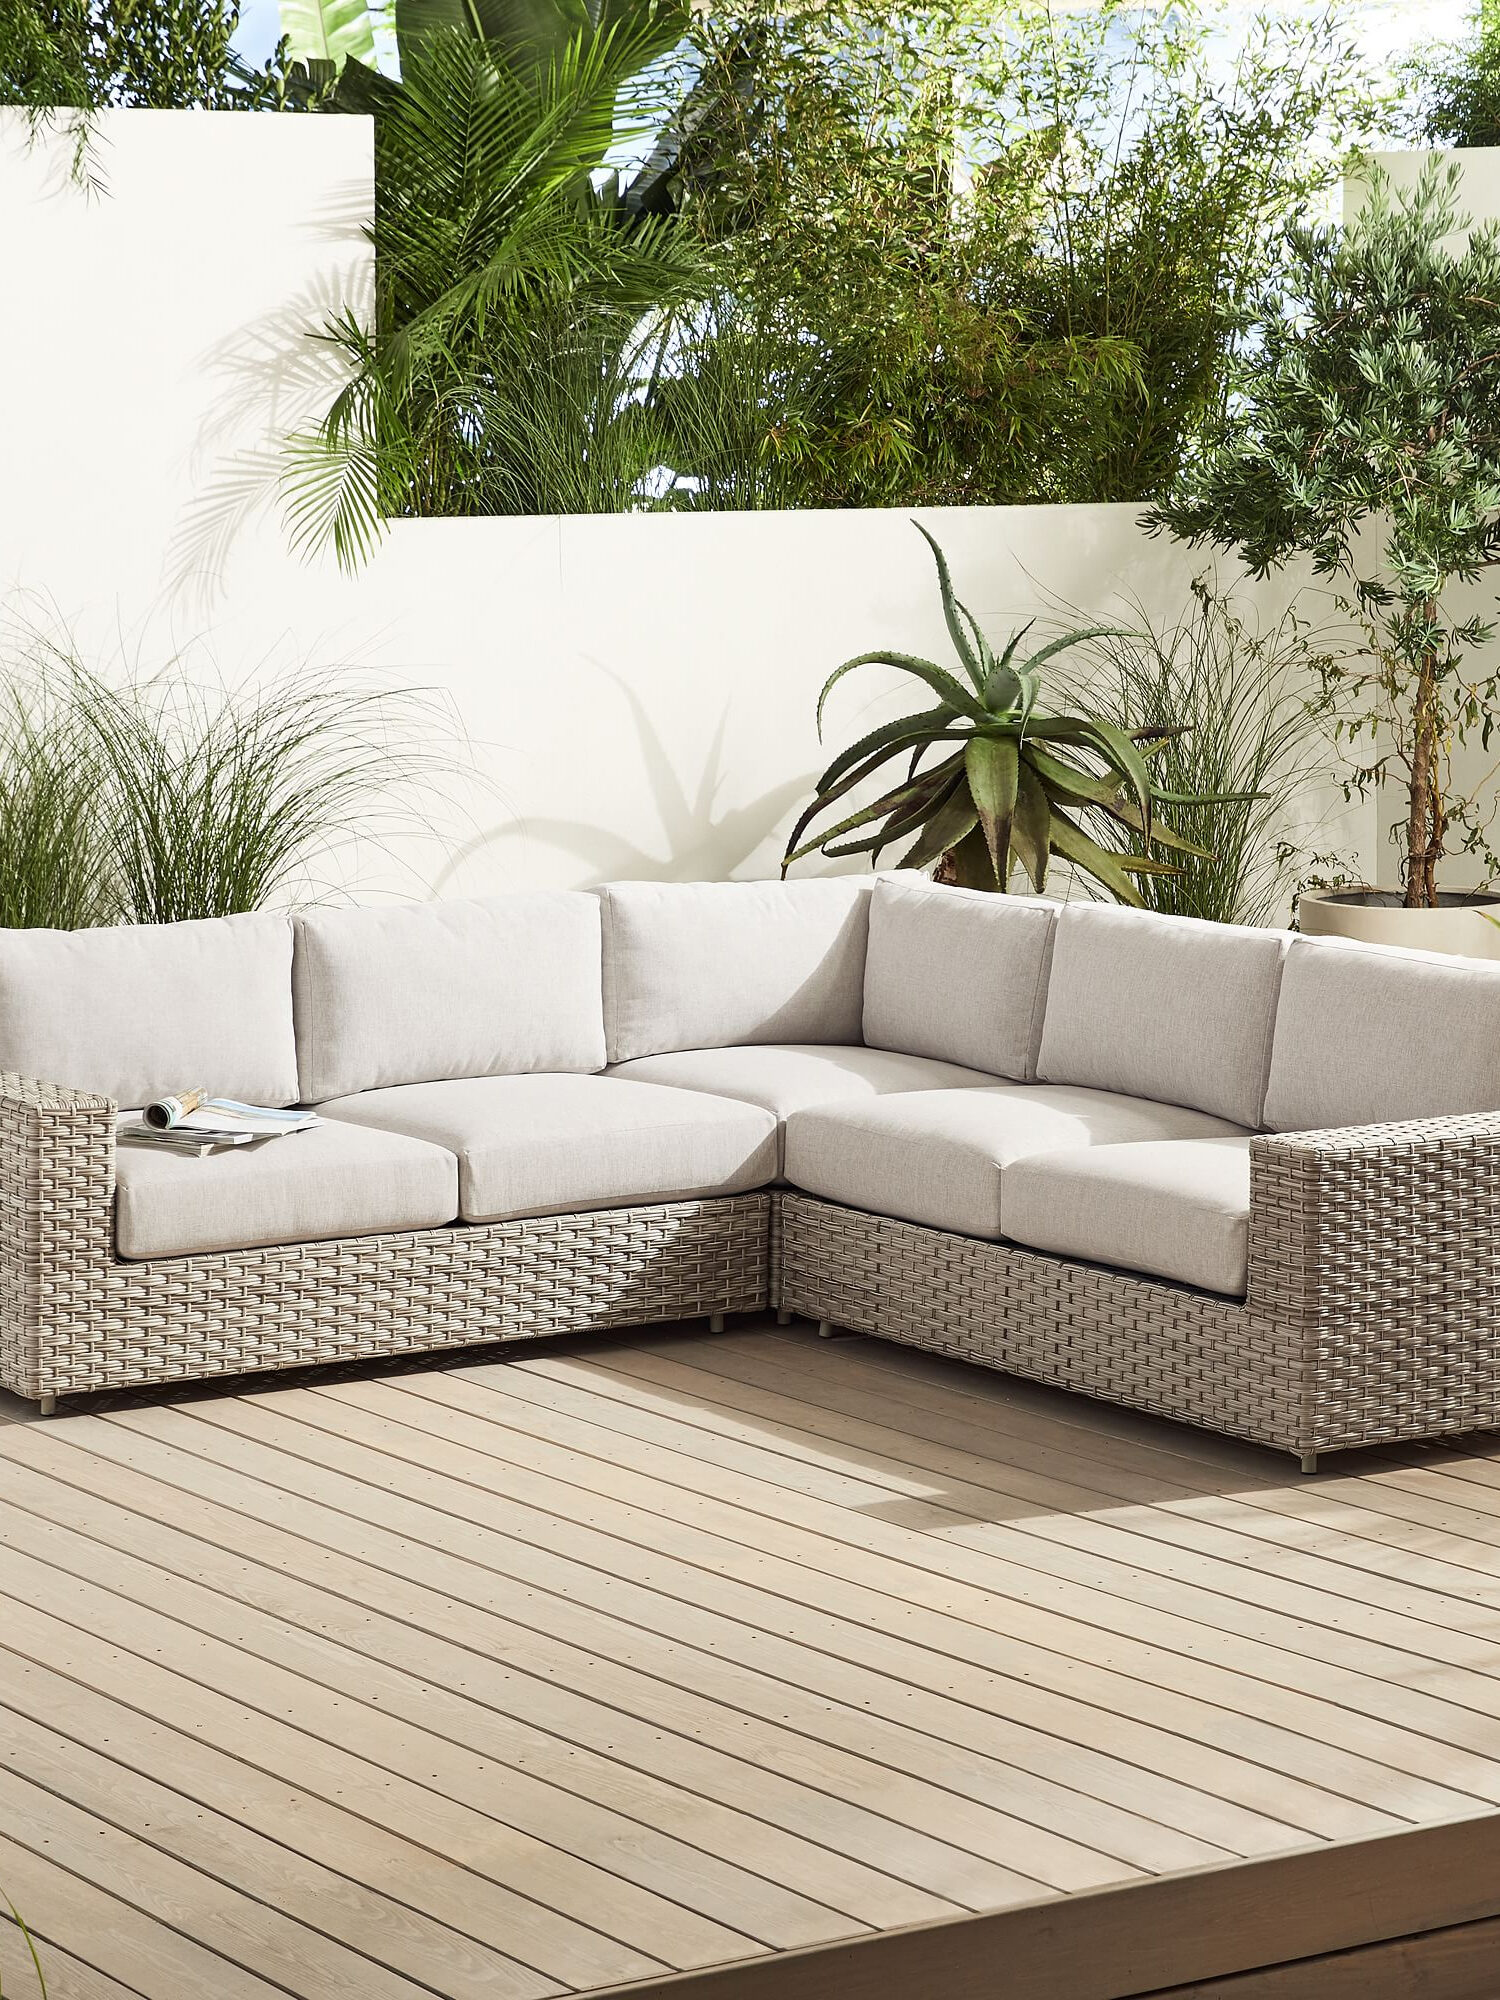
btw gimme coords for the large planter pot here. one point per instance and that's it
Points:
(1466, 922)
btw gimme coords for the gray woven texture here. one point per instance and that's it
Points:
(1372, 1313)
(73, 1317)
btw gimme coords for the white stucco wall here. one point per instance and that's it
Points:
(638, 690)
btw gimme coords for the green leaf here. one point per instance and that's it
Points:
(918, 795)
(329, 30)
(1031, 830)
(972, 866)
(1129, 815)
(1071, 782)
(954, 616)
(949, 691)
(945, 829)
(1002, 688)
(929, 726)
(1073, 844)
(1114, 745)
(992, 766)
(1055, 646)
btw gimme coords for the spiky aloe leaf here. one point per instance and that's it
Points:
(955, 697)
(927, 727)
(945, 829)
(1092, 732)
(1031, 829)
(992, 767)
(856, 775)
(973, 867)
(1070, 781)
(1037, 660)
(909, 820)
(917, 796)
(956, 618)
(1073, 844)
(1002, 690)
(1163, 835)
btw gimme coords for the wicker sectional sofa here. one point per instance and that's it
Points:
(1239, 1178)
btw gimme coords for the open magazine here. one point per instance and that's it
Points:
(195, 1123)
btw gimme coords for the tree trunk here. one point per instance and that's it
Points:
(1426, 821)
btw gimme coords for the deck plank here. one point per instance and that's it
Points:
(870, 1574)
(720, 1664)
(1086, 1533)
(601, 1620)
(894, 1822)
(1324, 1784)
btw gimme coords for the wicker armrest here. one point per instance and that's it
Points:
(1414, 1135)
(57, 1181)
(1390, 1226)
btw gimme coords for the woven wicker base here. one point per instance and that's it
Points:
(195, 1317)
(1155, 1347)
(1372, 1314)
(1229, 1366)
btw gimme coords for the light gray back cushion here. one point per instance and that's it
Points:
(1163, 1007)
(710, 965)
(1366, 1035)
(958, 974)
(427, 992)
(141, 1010)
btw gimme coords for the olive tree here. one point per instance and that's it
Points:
(1363, 431)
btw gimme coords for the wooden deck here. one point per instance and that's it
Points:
(793, 1668)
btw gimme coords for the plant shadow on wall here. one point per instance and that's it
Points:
(656, 259)
(703, 838)
(1174, 780)
(167, 798)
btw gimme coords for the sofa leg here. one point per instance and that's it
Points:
(1309, 1461)
(825, 1329)
(716, 1322)
(783, 1316)
(47, 1405)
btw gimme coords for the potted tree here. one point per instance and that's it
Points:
(1362, 430)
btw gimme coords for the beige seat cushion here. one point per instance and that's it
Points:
(411, 992)
(335, 1180)
(546, 1145)
(1164, 1007)
(137, 1011)
(1173, 1208)
(958, 975)
(1368, 1035)
(788, 1079)
(710, 965)
(939, 1157)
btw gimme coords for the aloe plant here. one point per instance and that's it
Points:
(1010, 787)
